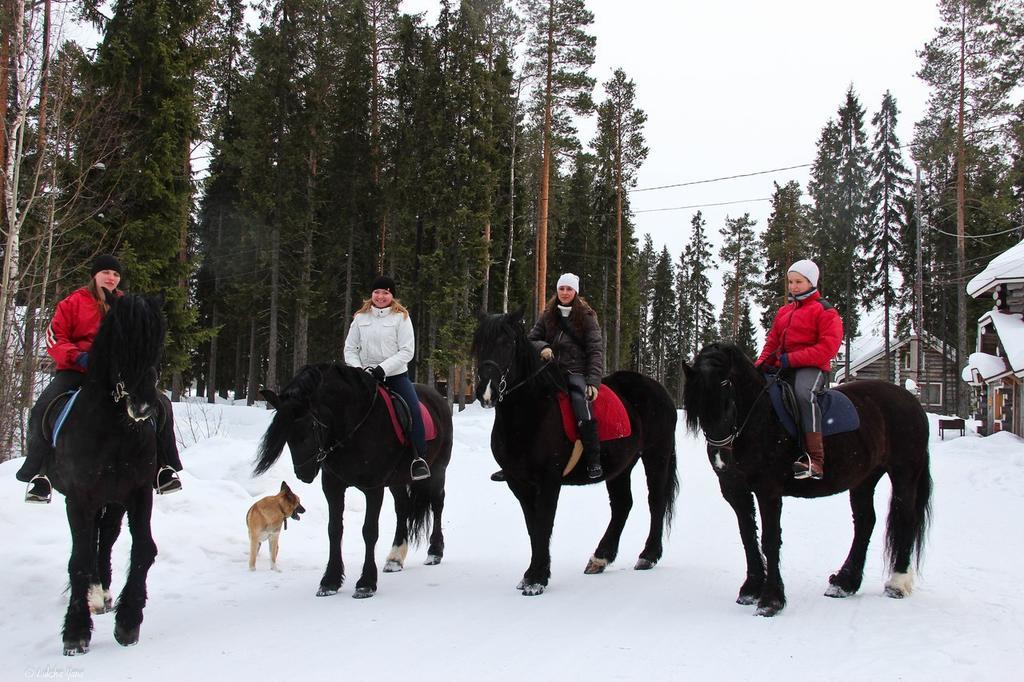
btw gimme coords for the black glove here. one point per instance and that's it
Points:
(377, 373)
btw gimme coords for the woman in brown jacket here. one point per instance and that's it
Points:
(567, 332)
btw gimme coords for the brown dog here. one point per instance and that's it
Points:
(265, 519)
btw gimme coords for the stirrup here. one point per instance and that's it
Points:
(594, 471)
(802, 467)
(419, 470)
(40, 490)
(171, 483)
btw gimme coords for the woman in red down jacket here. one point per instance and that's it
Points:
(805, 336)
(68, 340)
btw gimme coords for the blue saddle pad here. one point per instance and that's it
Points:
(63, 415)
(838, 415)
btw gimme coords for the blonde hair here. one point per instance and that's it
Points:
(396, 307)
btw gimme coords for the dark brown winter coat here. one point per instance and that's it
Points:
(587, 359)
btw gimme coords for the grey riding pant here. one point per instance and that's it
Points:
(808, 382)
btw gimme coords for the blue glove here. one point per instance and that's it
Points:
(377, 373)
(784, 360)
(82, 360)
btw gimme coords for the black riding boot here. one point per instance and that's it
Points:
(591, 448)
(33, 470)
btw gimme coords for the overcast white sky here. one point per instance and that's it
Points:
(747, 85)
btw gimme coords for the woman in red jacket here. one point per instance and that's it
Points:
(805, 336)
(68, 340)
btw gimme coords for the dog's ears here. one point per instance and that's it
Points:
(270, 397)
(285, 488)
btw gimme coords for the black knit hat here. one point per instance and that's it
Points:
(383, 282)
(105, 262)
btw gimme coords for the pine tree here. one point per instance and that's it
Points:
(150, 56)
(663, 320)
(888, 194)
(701, 311)
(559, 53)
(739, 254)
(643, 355)
(622, 147)
(784, 241)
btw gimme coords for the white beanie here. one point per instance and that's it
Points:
(569, 280)
(808, 269)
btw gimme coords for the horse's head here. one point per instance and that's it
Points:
(125, 354)
(720, 376)
(503, 354)
(294, 425)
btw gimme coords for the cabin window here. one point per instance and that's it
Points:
(931, 394)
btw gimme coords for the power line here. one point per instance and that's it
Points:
(725, 177)
(721, 203)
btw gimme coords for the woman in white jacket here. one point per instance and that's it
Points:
(381, 341)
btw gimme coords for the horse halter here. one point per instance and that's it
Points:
(726, 443)
(121, 393)
(503, 389)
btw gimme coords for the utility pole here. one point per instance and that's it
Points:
(919, 278)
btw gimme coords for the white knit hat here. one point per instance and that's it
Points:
(808, 269)
(569, 280)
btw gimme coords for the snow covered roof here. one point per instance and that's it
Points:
(866, 349)
(1006, 267)
(1010, 328)
(982, 367)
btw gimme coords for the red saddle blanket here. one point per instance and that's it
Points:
(429, 429)
(608, 410)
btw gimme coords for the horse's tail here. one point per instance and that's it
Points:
(923, 513)
(673, 490)
(418, 523)
(906, 528)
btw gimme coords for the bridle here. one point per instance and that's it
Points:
(503, 389)
(726, 443)
(320, 432)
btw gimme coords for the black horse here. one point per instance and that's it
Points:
(105, 464)
(529, 443)
(332, 418)
(725, 397)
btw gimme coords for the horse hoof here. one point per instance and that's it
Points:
(837, 592)
(533, 590)
(768, 610)
(894, 592)
(326, 591)
(364, 592)
(76, 647)
(432, 560)
(595, 565)
(521, 585)
(746, 599)
(392, 566)
(126, 636)
(643, 564)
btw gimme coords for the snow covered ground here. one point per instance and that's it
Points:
(209, 617)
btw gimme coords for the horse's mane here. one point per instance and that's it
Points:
(494, 327)
(715, 363)
(296, 397)
(129, 341)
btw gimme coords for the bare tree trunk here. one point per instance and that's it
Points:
(239, 385)
(211, 375)
(275, 283)
(961, 226)
(250, 392)
(511, 201)
(347, 319)
(545, 170)
(301, 355)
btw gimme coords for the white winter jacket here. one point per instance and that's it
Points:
(382, 337)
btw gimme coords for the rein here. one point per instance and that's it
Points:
(339, 443)
(726, 443)
(503, 391)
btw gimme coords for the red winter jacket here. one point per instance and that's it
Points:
(807, 333)
(72, 329)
